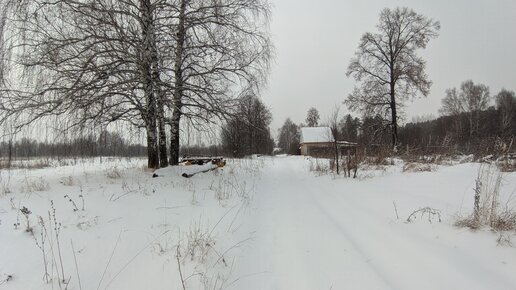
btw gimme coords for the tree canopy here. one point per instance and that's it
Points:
(387, 66)
(312, 117)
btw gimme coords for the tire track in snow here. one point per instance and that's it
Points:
(309, 251)
(404, 253)
(356, 245)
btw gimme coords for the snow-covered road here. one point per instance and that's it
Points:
(322, 233)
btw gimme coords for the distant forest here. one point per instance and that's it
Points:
(445, 134)
(490, 131)
(458, 134)
(107, 144)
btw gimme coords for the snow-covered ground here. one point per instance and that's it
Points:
(263, 223)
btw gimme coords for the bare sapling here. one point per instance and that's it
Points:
(57, 231)
(41, 245)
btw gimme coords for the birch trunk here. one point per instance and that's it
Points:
(178, 92)
(146, 72)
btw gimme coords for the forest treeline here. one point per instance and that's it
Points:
(487, 131)
(106, 144)
(472, 122)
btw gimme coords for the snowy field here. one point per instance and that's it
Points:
(263, 223)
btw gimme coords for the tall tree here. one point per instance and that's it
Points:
(506, 104)
(137, 61)
(387, 66)
(476, 99)
(247, 131)
(471, 99)
(349, 128)
(88, 61)
(222, 51)
(289, 136)
(333, 123)
(312, 117)
(372, 131)
(453, 105)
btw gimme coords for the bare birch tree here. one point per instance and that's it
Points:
(471, 99)
(387, 66)
(135, 61)
(506, 104)
(91, 61)
(222, 51)
(247, 132)
(476, 99)
(453, 105)
(289, 137)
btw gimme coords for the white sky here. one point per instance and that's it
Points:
(315, 39)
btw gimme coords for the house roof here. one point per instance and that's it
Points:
(316, 135)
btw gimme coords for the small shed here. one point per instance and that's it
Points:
(319, 142)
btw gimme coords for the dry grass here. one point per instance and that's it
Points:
(67, 181)
(35, 184)
(418, 167)
(320, 166)
(504, 240)
(5, 189)
(378, 160)
(229, 187)
(506, 165)
(113, 173)
(198, 244)
(486, 203)
(25, 164)
(504, 221)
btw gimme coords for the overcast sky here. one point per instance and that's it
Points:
(315, 39)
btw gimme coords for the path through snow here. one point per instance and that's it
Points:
(324, 233)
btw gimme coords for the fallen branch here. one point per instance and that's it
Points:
(431, 212)
(186, 175)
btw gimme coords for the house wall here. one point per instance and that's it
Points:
(324, 150)
(317, 149)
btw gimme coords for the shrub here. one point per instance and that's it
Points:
(67, 181)
(113, 173)
(38, 184)
(320, 166)
(199, 242)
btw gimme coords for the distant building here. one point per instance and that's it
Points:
(319, 142)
